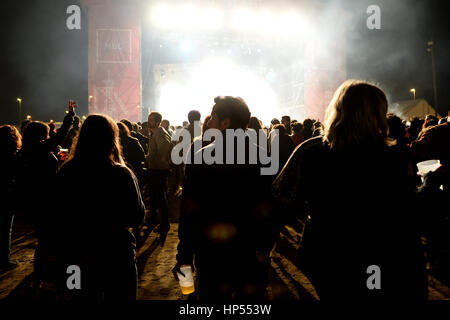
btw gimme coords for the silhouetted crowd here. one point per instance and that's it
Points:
(351, 181)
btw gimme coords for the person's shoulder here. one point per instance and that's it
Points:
(441, 127)
(121, 169)
(161, 132)
(308, 149)
(122, 172)
(133, 139)
(312, 145)
(141, 137)
(437, 129)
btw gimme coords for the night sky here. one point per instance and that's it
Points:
(46, 65)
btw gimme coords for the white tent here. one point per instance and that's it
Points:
(411, 108)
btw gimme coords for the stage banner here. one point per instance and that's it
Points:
(114, 58)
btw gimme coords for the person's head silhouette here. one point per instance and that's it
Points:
(98, 141)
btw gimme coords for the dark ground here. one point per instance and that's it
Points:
(156, 258)
(155, 262)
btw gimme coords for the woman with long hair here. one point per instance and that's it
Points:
(95, 215)
(353, 193)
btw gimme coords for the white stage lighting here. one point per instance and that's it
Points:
(186, 46)
(290, 24)
(163, 16)
(203, 82)
(211, 19)
(187, 17)
(266, 22)
(243, 20)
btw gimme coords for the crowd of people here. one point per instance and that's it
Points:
(352, 180)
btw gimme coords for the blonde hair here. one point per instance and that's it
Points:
(356, 115)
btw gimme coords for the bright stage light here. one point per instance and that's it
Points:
(263, 21)
(289, 24)
(187, 17)
(216, 77)
(266, 22)
(186, 46)
(243, 19)
(211, 18)
(163, 17)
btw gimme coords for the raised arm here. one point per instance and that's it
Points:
(61, 134)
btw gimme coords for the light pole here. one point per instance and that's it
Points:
(20, 110)
(413, 92)
(430, 49)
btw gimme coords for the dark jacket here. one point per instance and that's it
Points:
(225, 217)
(287, 146)
(363, 212)
(37, 171)
(133, 153)
(96, 204)
(143, 140)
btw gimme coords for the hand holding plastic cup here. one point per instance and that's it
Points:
(427, 166)
(186, 281)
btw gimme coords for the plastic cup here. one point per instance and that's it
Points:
(186, 281)
(63, 153)
(427, 166)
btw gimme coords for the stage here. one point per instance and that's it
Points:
(173, 58)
